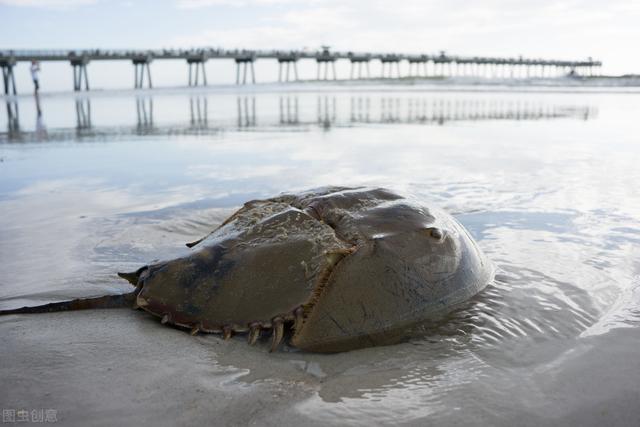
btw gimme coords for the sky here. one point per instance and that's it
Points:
(561, 29)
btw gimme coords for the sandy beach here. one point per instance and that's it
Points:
(110, 367)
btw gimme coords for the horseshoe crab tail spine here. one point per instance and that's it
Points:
(107, 301)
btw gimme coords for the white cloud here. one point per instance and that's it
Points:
(53, 4)
(264, 37)
(196, 4)
(563, 29)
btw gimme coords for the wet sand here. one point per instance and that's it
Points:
(121, 367)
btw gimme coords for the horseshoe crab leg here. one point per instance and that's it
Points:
(278, 332)
(254, 333)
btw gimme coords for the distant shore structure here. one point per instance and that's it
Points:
(420, 65)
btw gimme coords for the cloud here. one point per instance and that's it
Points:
(317, 26)
(563, 29)
(50, 4)
(196, 4)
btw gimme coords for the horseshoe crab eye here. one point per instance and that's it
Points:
(435, 232)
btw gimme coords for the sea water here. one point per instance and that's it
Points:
(545, 179)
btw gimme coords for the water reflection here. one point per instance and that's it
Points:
(13, 118)
(326, 111)
(390, 110)
(523, 309)
(144, 111)
(198, 109)
(289, 110)
(360, 108)
(83, 113)
(41, 128)
(556, 213)
(14, 131)
(246, 111)
(305, 111)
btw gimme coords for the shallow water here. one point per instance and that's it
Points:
(545, 181)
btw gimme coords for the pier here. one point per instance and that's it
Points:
(437, 65)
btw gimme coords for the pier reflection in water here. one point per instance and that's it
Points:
(144, 111)
(204, 113)
(246, 111)
(83, 113)
(289, 110)
(13, 118)
(199, 112)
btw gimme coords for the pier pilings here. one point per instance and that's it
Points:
(140, 64)
(8, 77)
(357, 61)
(243, 63)
(388, 61)
(79, 65)
(286, 61)
(323, 59)
(197, 61)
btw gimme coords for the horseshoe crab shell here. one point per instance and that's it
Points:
(336, 269)
(341, 268)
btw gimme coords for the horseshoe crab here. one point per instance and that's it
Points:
(335, 268)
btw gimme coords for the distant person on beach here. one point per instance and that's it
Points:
(35, 69)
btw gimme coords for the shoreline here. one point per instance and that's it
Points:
(605, 84)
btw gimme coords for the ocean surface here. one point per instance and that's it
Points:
(545, 179)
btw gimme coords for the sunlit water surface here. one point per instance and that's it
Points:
(547, 182)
